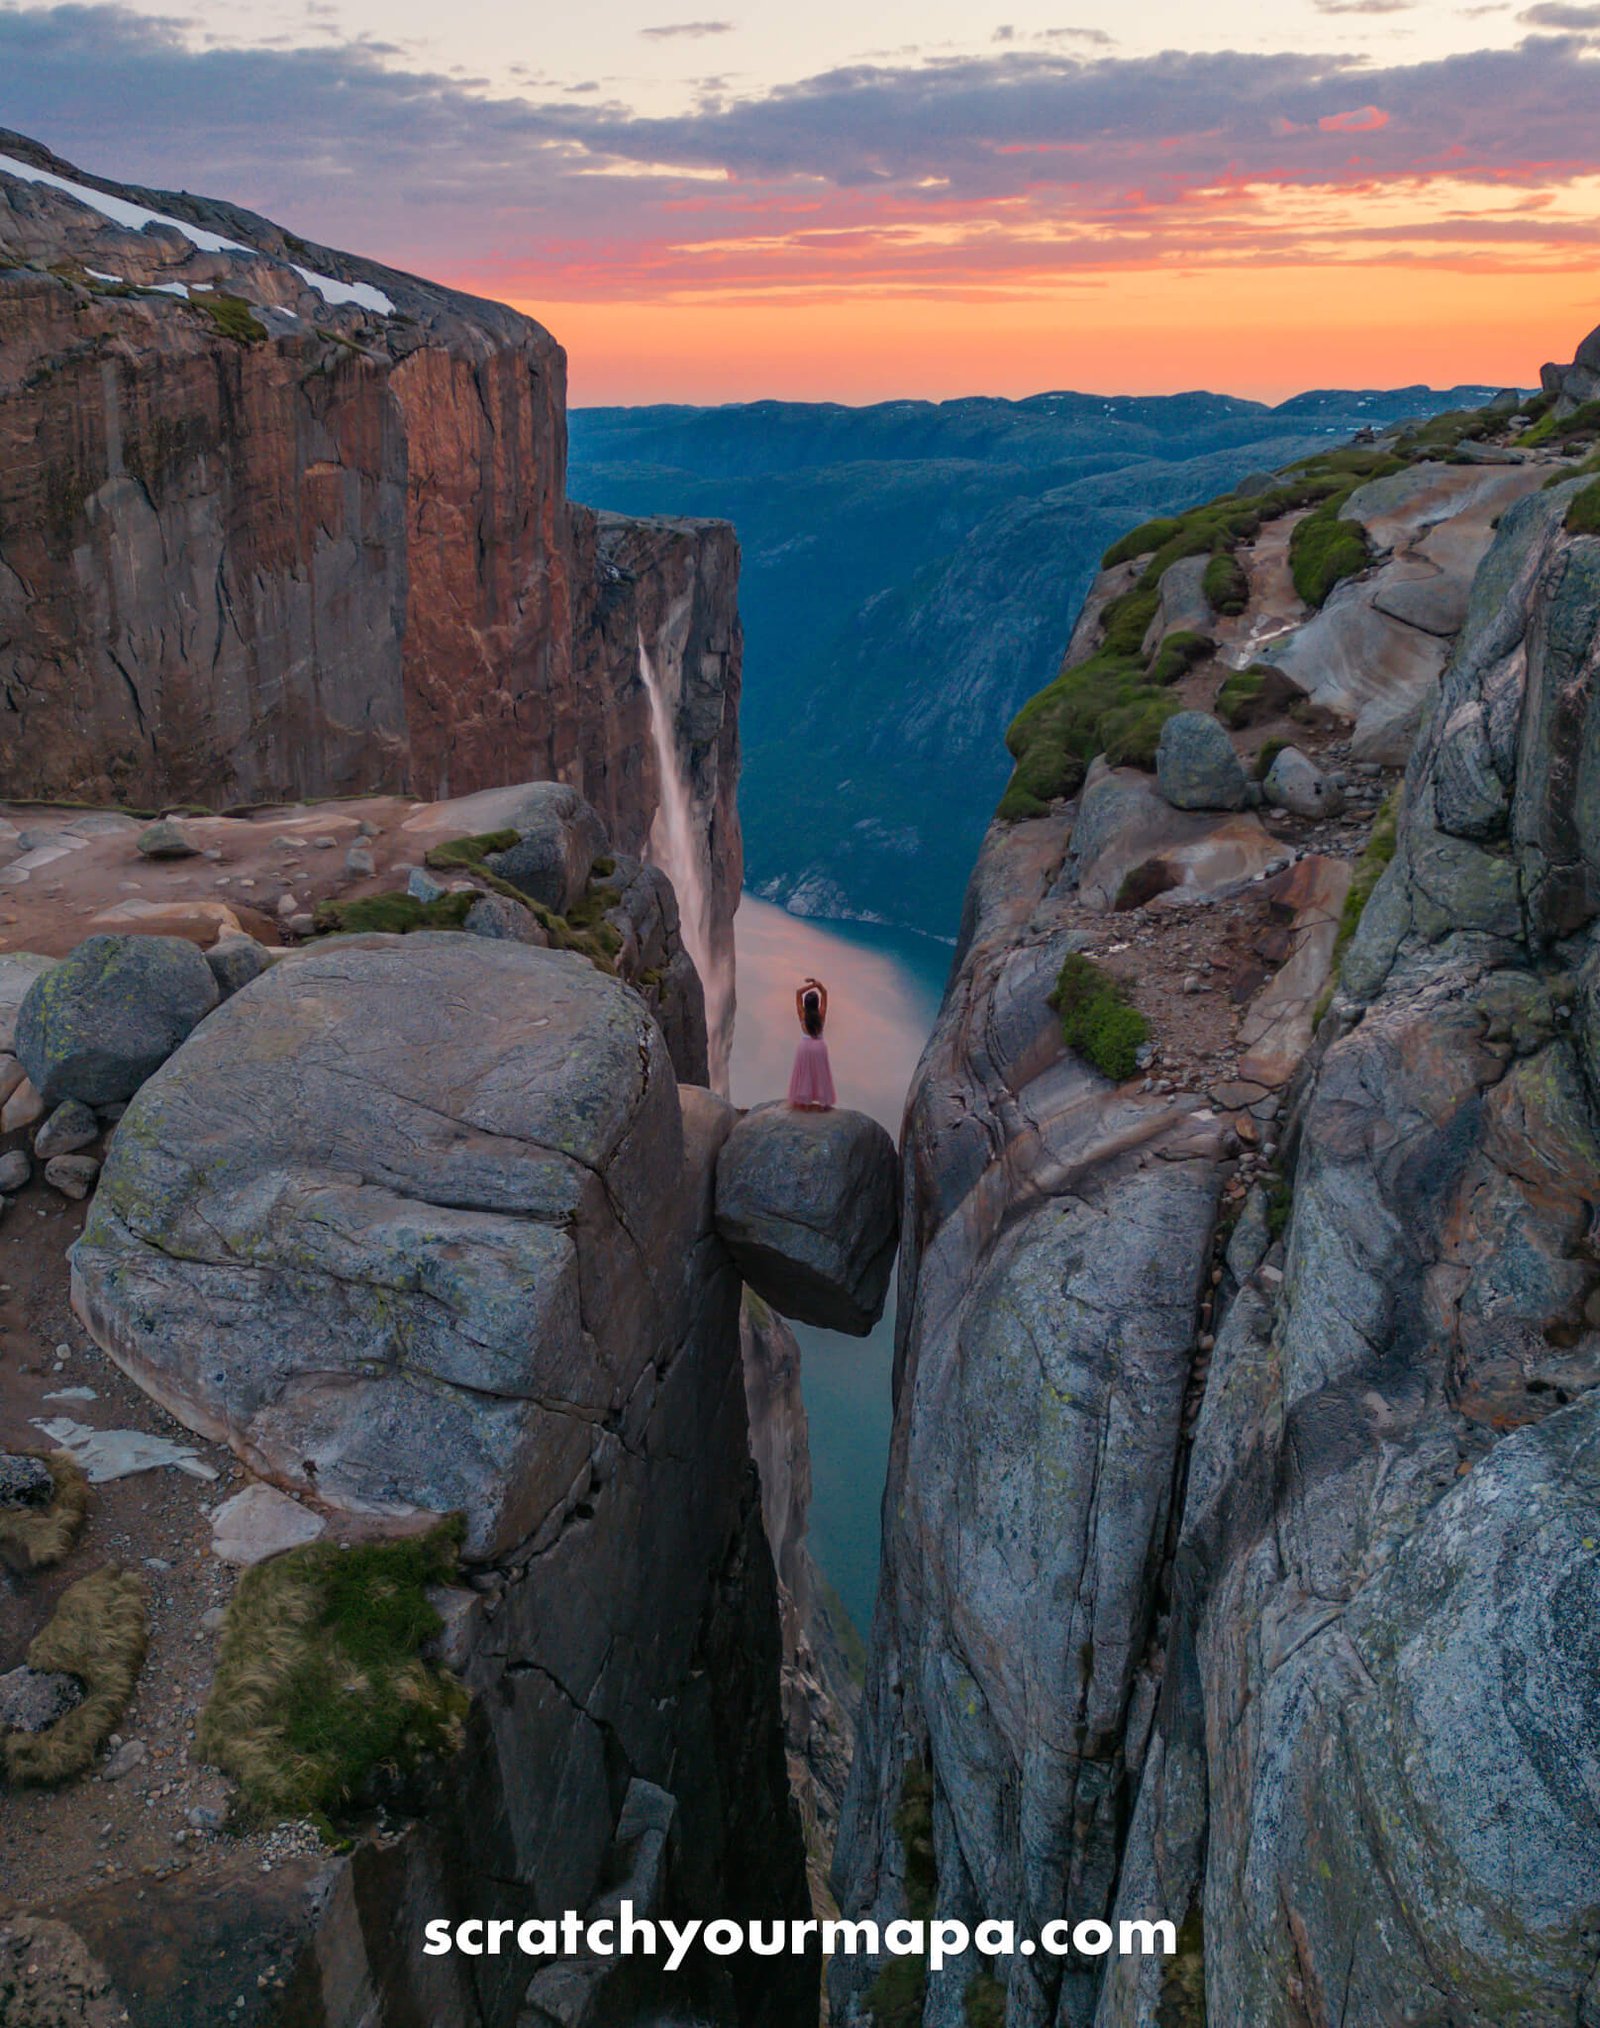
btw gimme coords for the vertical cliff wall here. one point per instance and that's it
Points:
(275, 522)
(1238, 1541)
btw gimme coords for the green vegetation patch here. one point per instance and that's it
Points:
(1178, 654)
(583, 929)
(1442, 434)
(1097, 1018)
(1280, 1205)
(396, 914)
(232, 316)
(1379, 850)
(98, 1633)
(32, 1538)
(983, 2004)
(1583, 514)
(320, 1681)
(470, 852)
(1324, 551)
(1581, 424)
(1239, 692)
(897, 1995)
(1225, 584)
(1112, 702)
(1270, 750)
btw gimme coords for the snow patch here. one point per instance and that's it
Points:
(361, 293)
(133, 217)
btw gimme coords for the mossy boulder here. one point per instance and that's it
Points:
(106, 1018)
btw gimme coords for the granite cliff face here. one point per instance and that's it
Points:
(276, 522)
(1239, 1535)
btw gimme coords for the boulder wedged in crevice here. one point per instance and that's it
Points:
(808, 1206)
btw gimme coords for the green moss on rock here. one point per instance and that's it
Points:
(396, 914)
(232, 316)
(1583, 515)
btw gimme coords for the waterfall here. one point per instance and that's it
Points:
(678, 848)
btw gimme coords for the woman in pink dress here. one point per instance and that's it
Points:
(811, 1080)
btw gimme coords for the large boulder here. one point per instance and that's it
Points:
(403, 1225)
(98, 1024)
(1196, 766)
(808, 1205)
(559, 838)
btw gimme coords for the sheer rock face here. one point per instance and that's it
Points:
(333, 554)
(1273, 1620)
(450, 1215)
(1372, 1781)
(1056, 1242)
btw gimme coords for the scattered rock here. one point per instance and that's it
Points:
(506, 921)
(1295, 784)
(808, 1205)
(559, 839)
(73, 1175)
(31, 1700)
(235, 961)
(260, 1522)
(206, 1817)
(131, 1754)
(99, 1023)
(1196, 766)
(424, 888)
(22, 1109)
(70, 1127)
(166, 840)
(15, 1170)
(359, 863)
(25, 1481)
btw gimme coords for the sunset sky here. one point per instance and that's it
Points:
(835, 202)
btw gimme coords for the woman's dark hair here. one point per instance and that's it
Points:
(813, 1012)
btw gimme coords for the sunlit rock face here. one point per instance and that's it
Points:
(278, 522)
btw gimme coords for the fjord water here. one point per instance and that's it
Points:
(884, 987)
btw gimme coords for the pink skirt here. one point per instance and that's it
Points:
(811, 1080)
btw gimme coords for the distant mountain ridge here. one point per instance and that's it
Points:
(911, 573)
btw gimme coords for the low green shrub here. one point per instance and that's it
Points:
(1097, 1018)
(1324, 551)
(1270, 750)
(1178, 654)
(320, 1680)
(1141, 541)
(1225, 583)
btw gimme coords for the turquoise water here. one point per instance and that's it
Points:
(884, 988)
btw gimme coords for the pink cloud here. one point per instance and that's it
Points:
(1364, 120)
